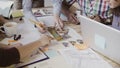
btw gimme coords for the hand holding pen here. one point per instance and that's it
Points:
(39, 25)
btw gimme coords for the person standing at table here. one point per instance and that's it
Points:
(115, 8)
(98, 10)
(95, 9)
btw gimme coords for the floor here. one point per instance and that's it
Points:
(115, 65)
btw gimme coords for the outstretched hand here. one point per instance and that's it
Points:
(45, 40)
(41, 27)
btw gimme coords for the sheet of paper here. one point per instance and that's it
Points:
(56, 62)
(94, 64)
(51, 53)
(83, 58)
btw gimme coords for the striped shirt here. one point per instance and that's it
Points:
(95, 7)
(89, 7)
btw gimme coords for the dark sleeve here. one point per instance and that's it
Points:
(9, 56)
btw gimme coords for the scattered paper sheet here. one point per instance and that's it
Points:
(83, 58)
(56, 62)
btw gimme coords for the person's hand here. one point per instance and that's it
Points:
(41, 27)
(59, 25)
(72, 18)
(45, 40)
(96, 18)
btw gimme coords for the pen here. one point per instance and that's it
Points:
(37, 24)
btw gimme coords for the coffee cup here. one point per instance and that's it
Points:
(9, 28)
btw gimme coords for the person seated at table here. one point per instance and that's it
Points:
(13, 55)
(27, 11)
(95, 9)
(115, 8)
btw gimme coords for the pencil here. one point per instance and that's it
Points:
(36, 23)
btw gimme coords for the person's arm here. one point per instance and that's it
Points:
(57, 4)
(27, 11)
(67, 12)
(13, 55)
(29, 48)
(9, 56)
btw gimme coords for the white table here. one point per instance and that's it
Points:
(57, 51)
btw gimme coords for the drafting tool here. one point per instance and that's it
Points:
(55, 33)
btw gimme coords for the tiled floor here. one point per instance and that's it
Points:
(115, 65)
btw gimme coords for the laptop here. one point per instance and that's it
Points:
(101, 38)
